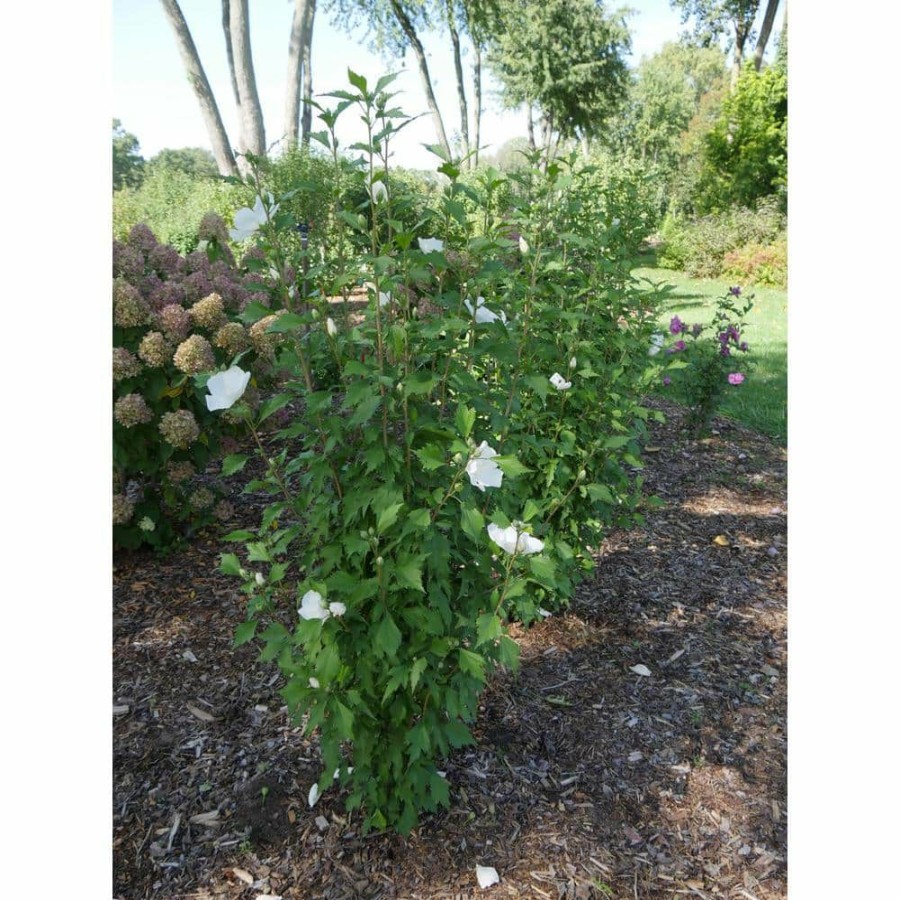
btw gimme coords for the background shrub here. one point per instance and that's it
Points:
(759, 264)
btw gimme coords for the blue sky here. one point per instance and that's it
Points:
(154, 101)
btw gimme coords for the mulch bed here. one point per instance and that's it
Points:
(588, 780)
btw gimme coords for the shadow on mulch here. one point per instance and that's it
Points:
(588, 779)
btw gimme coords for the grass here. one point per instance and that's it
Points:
(761, 401)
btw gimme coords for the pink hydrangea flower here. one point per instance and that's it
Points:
(736, 378)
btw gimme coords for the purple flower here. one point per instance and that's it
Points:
(744, 346)
(724, 350)
(679, 345)
(696, 329)
(735, 378)
(676, 326)
(667, 381)
(734, 291)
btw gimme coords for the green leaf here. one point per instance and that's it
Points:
(418, 667)
(233, 463)
(419, 383)
(343, 721)
(273, 404)
(365, 410)
(240, 535)
(539, 384)
(509, 653)
(472, 663)
(465, 419)
(419, 518)
(431, 456)
(386, 637)
(387, 517)
(472, 523)
(600, 492)
(229, 564)
(511, 466)
(531, 510)
(409, 574)
(244, 633)
(458, 734)
(357, 81)
(489, 628)
(286, 322)
(543, 569)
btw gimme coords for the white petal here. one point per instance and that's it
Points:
(311, 607)
(559, 382)
(384, 299)
(641, 670)
(330, 327)
(337, 609)
(505, 538)
(484, 472)
(573, 363)
(527, 544)
(430, 245)
(486, 875)
(544, 612)
(484, 451)
(314, 683)
(313, 795)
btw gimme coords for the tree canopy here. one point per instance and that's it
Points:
(128, 164)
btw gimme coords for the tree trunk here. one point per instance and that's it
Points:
(764, 32)
(306, 120)
(741, 33)
(460, 83)
(531, 142)
(478, 103)
(250, 110)
(229, 51)
(298, 65)
(419, 51)
(214, 128)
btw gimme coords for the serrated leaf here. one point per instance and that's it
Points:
(409, 574)
(472, 523)
(233, 463)
(464, 419)
(273, 404)
(489, 628)
(511, 466)
(386, 637)
(600, 492)
(387, 517)
(244, 633)
(229, 564)
(431, 456)
(415, 673)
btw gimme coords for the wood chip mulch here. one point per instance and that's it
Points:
(588, 780)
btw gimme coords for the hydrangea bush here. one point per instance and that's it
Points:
(478, 429)
(710, 358)
(173, 318)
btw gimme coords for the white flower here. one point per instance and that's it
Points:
(616, 222)
(247, 221)
(573, 363)
(226, 388)
(486, 875)
(337, 772)
(313, 795)
(259, 579)
(544, 612)
(314, 683)
(511, 539)
(482, 313)
(147, 524)
(312, 607)
(559, 382)
(337, 609)
(379, 191)
(431, 245)
(656, 342)
(523, 245)
(330, 327)
(384, 299)
(483, 472)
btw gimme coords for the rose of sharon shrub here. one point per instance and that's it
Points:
(444, 477)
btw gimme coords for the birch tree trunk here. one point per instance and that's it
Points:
(764, 32)
(250, 110)
(298, 73)
(229, 52)
(407, 27)
(478, 103)
(215, 129)
(460, 83)
(306, 120)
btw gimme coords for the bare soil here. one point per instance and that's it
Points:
(588, 780)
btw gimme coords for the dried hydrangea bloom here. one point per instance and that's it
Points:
(202, 498)
(213, 228)
(128, 262)
(252, 256)
(150, 285)
(175, 321)
(197, 261)
(123, 509)
(142, 238)
(232, 338)
(223, 511)
(195, 355)
(263, 343)
(132, 410)
(209, 312)
(165, 260)
(154, 349)
(125, 364)
(196, 286)
(169, 293)
(180, 470)
(179, 428)
(259, 297)
(130, 310)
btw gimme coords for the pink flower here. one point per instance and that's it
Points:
(735, 378)
(676, 326)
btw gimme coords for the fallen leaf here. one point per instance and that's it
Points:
(635, 756)
(641, 670)
(632, 835)
(120, 710)
(189, 656)
(207, 818)
(487, 875)
(200, 713)
(243, 874)
(721, 541)
(321, 823)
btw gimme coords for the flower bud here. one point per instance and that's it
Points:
(379, 562)
(573, 363)
(582, 475)
(259, 579)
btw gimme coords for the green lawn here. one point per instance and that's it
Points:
(761, 401)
